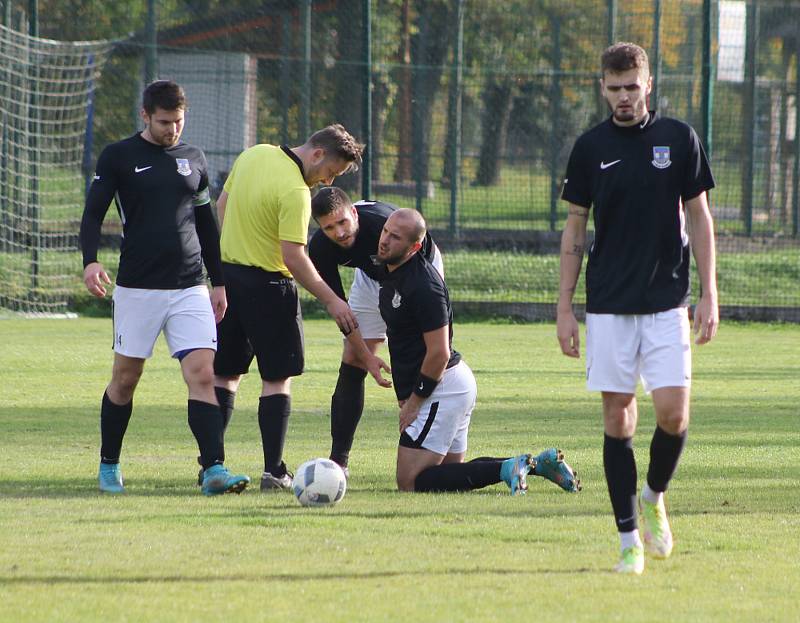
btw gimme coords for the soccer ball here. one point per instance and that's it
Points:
(319, 482)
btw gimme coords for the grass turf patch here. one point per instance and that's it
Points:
(165, 552)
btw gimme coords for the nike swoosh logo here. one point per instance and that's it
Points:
(605, 165)
(138, 170)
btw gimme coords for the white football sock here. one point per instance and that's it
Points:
(648, 495)
(629, 539)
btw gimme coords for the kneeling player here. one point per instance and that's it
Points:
(348, 235)
(435, 388)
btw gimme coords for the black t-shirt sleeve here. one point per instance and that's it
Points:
(101, 193)
(430, 306)
(698, 172)
(577, 182)
(323, 256)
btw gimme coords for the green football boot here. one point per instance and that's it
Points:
(657, 533)
(632, 560)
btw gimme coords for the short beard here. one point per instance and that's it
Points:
(392, 260)
(624, 116)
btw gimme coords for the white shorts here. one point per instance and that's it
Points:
(363, 301)
(620, 349)
(442, 425)
(185, 316)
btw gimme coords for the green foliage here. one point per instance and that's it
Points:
(164, 552)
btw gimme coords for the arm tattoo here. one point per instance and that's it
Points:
(577, 250)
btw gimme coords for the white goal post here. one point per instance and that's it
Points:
(46, 105)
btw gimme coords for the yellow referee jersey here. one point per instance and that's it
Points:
(268, 201)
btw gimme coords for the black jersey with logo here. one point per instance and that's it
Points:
(636, 179)
(413, 300)
(161, 194)
(327, 256)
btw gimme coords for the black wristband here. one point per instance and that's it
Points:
(425, 386)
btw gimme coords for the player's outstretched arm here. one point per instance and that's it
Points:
(573, 243)
(372, 363)
(701, 232)
(303, 271)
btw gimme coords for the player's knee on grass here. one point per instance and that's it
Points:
(404, 483)
(406, 477)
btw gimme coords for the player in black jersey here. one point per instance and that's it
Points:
(644, 176)
(348, 236)
(435, 388)
(160, 187)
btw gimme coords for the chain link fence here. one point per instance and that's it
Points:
(470, 109)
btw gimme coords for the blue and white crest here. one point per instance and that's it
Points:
(661, 157)
(183, 167)
(396, 299)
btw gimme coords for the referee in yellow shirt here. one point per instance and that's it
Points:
(264, 210)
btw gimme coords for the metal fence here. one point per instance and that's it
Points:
(469, 109)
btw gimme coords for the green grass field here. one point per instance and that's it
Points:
(163, 552)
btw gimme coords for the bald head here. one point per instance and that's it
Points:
(411, 222)
(401, 237)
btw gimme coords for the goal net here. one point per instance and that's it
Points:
(46, 105)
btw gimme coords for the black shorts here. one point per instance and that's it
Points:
(263, 320)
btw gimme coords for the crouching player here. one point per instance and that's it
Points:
(435, 388)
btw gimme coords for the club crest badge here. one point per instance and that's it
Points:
(183, 167)
(396, 299)
(661, 157)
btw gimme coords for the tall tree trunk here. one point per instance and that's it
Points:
(428, 51)
(381, 101)
(494, 126)
(347, 98)
(402, 171)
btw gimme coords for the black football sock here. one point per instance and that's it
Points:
(620, 467)
(347, 405)
(665, 452)
(225, 398)
(476, 474)
(273, 420)
(114, 420)
(205, 421)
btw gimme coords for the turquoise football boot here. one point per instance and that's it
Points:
(550, 464)
(514, 472)
(110, 478)
(218, 480)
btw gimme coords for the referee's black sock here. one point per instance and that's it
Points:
(665, 452)
(476, 474)
(206, 424)
(347, 405)
(273, 420)
(114, 420)
(620, 467)
(225, 398)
